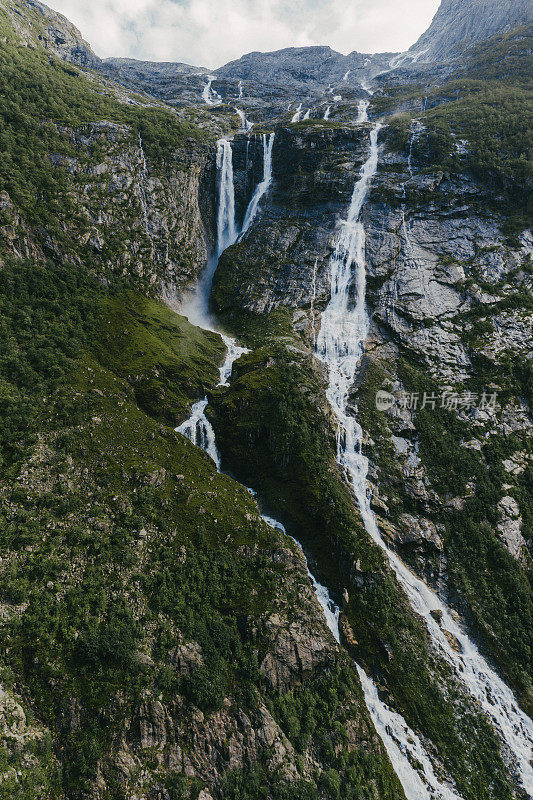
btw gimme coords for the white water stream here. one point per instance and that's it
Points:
(211, 97)
(326, 114)
(340, 345)
(198, 428)
(402, 744)
(246, 125)
(296, 116)
(262, 187)
(362, 112)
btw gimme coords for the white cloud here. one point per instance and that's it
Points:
(212, 32)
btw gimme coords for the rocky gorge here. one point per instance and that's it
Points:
(163, 635)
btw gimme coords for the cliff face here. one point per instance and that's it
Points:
(37, 23)
(458, 26)
(124, 216)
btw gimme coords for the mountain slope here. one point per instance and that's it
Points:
(160, 641)
(458, 25)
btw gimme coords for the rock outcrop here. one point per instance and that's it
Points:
(458, 25)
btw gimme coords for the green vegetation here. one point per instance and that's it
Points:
(122, 542)
(488, 104)
(50, 141)
(168, 362)
(496, 591)
(273, 435)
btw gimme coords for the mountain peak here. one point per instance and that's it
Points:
(459, 24)
(35, 21)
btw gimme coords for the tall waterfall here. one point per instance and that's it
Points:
(402, 744)
(326, 113)
(226, 228)
(263, 186)
(340, 343)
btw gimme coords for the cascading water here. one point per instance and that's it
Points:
(402, 744)
(297, 114)
(198, 428)
(366, 86)
(262, 187)
(326, 115)
(362, 112)
(307, 114)
(211, 97)
(246, 125)
(200, 431)
(340, 343)
(226, 227)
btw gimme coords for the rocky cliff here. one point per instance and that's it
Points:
(458, 26)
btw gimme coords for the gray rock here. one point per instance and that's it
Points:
(459, 24)
(510, 528)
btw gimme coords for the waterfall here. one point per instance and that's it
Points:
(366, 87)
(403, 746)
(226, 229)
(211, 97)
(200, 431)
(263, 186)
(307, 113)
(233, 352)
(345, 77)
(198, 428)
(362, 109)
(326, 115)
(340, 344)
(246, 125)
(298, 114)
(240, 89)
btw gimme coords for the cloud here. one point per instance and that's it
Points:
(213, 32)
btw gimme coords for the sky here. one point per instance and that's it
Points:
(212, 32)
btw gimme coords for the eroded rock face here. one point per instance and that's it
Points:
(458, 25)
(510, 528)
(296, 652)
(53, 31)
(132, 217)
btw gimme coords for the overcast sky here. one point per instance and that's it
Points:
(211, 32)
